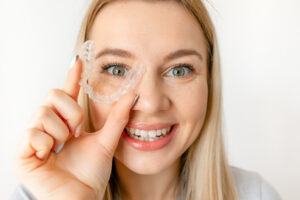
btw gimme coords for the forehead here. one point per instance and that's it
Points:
(147, 27)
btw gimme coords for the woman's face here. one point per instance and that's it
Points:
(169, 94)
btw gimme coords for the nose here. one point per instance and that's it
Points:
(153, 98)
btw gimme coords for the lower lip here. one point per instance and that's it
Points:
(150, 145)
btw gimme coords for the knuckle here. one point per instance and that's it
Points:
(78, 114)
(53, 93)
(29, 133)
(64, 134)
(44, 111)
(49, 143)
(35, 136)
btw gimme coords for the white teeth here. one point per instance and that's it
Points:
(148, 135)
(137, 132)
(143, 133)
(158, 132)
(152, 133)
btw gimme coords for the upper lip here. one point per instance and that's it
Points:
(144, 126)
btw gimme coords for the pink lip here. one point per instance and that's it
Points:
(146, 127)
(147, 145)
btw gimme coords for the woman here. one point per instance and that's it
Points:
(180, 94)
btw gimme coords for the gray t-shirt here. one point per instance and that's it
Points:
(250, 186)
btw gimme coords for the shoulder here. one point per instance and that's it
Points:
(251, 185)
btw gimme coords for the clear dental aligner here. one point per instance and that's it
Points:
(87, 55)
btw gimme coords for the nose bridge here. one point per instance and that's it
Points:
(152, 96)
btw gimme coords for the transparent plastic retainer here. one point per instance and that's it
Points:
(87, 55)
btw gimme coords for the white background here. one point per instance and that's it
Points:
(259, 45)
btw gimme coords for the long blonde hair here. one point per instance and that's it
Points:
(205, 173)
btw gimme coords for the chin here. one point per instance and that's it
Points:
(145, 170)
(146, 166)
(145, 163)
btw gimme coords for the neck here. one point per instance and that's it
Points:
(163, 185)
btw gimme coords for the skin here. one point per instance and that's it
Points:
(82, 168)
(73, 173)
(163, 98)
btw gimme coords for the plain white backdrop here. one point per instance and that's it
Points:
(259, 45)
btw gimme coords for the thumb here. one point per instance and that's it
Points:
(110, 134)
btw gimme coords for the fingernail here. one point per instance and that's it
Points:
(135, 100)
(74, 60)
(77, 131)
(59, 148)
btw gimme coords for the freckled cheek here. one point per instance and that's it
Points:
(98, 113)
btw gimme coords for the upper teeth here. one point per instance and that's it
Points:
(149, 133)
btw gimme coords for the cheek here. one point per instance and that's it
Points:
(98, 113)
(191, 109)
(191, 104)
(198, 103)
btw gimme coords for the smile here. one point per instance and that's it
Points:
(148, 135)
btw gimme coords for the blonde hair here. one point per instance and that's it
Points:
(205, 173)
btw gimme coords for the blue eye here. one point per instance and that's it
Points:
(115, 69)
(180, 70)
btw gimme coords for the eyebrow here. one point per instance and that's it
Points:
(127, 54)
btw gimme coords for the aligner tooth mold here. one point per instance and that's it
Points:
(87, 55)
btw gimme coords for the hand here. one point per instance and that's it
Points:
(81, 170)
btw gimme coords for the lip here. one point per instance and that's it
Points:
(146, 127)
(150, 145)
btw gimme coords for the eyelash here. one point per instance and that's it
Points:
(106, 66)
(186, 65)
(190, 67)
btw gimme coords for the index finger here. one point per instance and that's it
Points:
(71, 86)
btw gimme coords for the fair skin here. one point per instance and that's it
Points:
(81, 170)
(153, 175)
